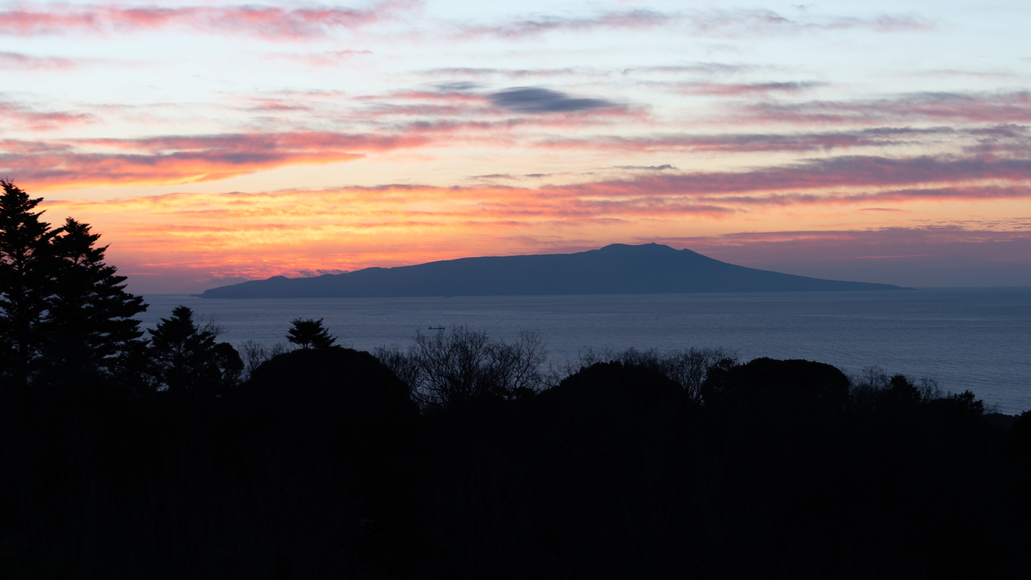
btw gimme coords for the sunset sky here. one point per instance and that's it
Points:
(212, 142)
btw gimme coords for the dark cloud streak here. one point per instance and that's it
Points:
(538, 100)
(708, 68)
(741, 143)
(746, 89)
(631, 19)
(824, 174)
(1007, 107)
(716, 22)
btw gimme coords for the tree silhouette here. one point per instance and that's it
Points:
(89, 325)
(309, 334)
(453, 368)
(63, 311)
(188, 360)
(26, 269)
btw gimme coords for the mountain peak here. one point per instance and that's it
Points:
(639, 248)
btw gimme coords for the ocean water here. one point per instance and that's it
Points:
(973, 339)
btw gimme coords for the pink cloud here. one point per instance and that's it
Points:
(14, 114)
(257, 143)
(267, 22)
(323, 59)
(180, 159)
(24, 62)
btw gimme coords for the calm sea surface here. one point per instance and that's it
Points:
(971, 338)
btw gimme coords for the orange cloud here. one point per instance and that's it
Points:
(179, 159)
(256, 235)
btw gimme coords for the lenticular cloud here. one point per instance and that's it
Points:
(538, 100)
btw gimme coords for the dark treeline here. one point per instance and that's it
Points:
(167, 454)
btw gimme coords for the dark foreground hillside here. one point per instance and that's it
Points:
(326, 465)
(176, 456)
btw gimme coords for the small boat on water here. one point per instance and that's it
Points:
(436, 328)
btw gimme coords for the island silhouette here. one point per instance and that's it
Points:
(613, 269)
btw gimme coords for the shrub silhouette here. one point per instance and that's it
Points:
(903, 390)
(688, 368)
(613, 381)
(336, 391)
(1018, 441)
(254, 353)
(341, 417)
(766, 380)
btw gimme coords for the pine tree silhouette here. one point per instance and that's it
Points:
(187, 358)
(63, 311)
(89, 324)
(26, 279)
(309, 334)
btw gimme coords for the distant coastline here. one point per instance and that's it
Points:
(614, 269)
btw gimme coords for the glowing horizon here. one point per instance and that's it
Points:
(213, 142)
